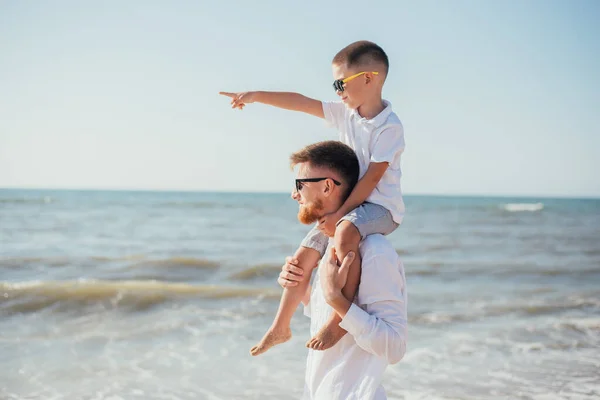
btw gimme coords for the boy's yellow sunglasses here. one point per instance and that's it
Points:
(338, 84)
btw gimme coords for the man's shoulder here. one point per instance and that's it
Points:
(382, 272)
(377, 240)
(378, 245)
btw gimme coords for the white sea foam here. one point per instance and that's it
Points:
(520, 207)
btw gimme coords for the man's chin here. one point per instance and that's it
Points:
(310, 213)
(307, 215)
(307, 219)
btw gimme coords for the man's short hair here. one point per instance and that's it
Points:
(362, 53)
(333, 155)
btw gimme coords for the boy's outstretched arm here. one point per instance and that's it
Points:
(285, 100)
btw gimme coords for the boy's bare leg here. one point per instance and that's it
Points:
(280, 331)
(347, 238)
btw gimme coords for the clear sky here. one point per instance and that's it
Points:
(496, 97)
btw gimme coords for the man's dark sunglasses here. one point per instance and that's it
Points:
(299, 182)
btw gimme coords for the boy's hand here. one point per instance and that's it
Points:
(328, 222)
(239, 100)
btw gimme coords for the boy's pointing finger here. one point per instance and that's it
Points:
(232, 95)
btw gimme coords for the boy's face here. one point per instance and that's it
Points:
(355, 90)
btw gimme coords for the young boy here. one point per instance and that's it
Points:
(367, 124)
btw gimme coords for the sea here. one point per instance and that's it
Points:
(160, 295)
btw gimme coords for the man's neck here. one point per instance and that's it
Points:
(371, 108)
(332, 207)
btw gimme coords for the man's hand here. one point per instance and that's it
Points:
(290, 273)
(328, 222)
(239, 100)
(333, 275)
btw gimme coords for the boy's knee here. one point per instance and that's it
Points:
(347, 236)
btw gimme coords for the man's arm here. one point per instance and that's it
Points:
(382, 328)
(285, 100)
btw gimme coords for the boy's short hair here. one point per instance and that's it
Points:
(333, 155)
(360, 53)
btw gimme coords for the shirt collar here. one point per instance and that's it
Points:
(379, 119)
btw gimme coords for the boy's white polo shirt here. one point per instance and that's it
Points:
(380, 139)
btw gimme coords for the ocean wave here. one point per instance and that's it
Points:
(208, 205)
(18, 262)
(22, 297)
(132, 257)
(423, 272)
(436, 266)
(25, 200)
(137, 260)
(587, 326)
(520, 207)
(187, 262)
(568, 334)
(549, 271)
(525, 309)
(192, 204)
(570, 304)
(438, 247)
(257, 271)
(438, 318)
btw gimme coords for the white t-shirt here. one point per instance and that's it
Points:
(376, 325)
(380, 139)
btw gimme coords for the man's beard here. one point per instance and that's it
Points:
(310, 212)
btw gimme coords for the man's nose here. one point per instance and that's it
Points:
(295, 195)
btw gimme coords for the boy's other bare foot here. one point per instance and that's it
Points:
(327, 337)
(273, 337)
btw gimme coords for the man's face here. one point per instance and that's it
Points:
(355, 90)
(310, 195)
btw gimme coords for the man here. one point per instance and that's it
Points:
(377, 321)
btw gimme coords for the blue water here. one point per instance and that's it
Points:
(107, 295)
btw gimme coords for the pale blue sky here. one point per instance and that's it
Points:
(497, 98)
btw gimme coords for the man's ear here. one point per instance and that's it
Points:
(327, 188)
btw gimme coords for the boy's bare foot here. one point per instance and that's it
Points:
(273, 337)
(327, 337)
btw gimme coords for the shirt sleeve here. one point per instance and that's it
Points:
(388, 145)
(380, 326)
(307, 310)
(334, 112)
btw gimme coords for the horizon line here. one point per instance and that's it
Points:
(236, 191)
